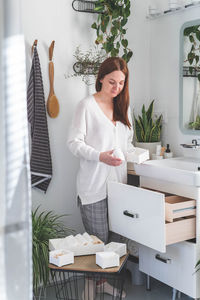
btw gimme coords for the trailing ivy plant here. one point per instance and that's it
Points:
(193, 56)
(110, 27)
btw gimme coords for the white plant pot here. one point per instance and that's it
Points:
(150, 146)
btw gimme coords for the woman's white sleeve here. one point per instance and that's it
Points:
(77, 134)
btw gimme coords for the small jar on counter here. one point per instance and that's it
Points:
(168, 153)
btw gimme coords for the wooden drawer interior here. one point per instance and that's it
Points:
(181, 229)
(177, 207)
(180, 220)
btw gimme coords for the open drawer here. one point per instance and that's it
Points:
(139, 214)
(177, 207)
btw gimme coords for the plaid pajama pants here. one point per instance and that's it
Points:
(95, 218)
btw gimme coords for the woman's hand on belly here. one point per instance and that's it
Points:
(107, 158)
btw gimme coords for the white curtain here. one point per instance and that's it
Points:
(2, 170)
(15, 204)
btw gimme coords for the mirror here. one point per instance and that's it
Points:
(190, 78)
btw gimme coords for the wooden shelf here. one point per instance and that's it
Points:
(131, 172)
(181, 9)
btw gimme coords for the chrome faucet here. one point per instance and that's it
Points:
(195, 142)
(194, 145)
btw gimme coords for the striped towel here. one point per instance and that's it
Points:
(41, 164)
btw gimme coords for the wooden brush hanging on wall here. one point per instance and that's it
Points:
(52, 102)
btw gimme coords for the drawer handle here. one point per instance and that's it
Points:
(162, 259)
(182, 209)
(131, 215)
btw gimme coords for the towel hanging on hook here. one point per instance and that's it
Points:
(40, 162)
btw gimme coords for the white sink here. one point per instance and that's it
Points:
(182, 170)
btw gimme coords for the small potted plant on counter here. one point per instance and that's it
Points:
(148, 129)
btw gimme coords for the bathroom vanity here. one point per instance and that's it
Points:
(162, 216)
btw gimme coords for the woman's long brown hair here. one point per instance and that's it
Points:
(121, 102)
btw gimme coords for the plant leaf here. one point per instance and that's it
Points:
(124, 42)
(147, 133)
(124, 21)
(150, 110)
(155, 134)
(191, 38)
(198, 35)
(94, 25)
(138, 130)
(144, 119)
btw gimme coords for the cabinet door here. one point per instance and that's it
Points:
(137, 214)
(175, 268)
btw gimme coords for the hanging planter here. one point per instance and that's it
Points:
(191, 71)
(85, 6)
(87, 63)
(86, 68)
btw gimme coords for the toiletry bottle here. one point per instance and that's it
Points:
(168, 153)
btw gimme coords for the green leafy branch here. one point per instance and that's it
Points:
(193, 56)
(110, 27)
(196, 124)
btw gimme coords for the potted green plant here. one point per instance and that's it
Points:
(45, 225)
(110, 27)
(148, 129)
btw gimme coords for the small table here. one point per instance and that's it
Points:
(71, 281)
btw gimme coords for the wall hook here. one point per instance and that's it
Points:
(51, 50)
(34, 45)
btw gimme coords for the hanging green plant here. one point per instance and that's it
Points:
(196, 124)
(193, 56)
(110, 27)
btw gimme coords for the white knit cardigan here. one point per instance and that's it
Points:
(92, 132)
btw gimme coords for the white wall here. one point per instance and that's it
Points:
(139, 42)
(49, 20)
(164, 72)
(2, 164)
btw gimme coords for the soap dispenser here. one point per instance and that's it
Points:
(168, 153)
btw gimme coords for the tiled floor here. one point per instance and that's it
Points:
(159, 291)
